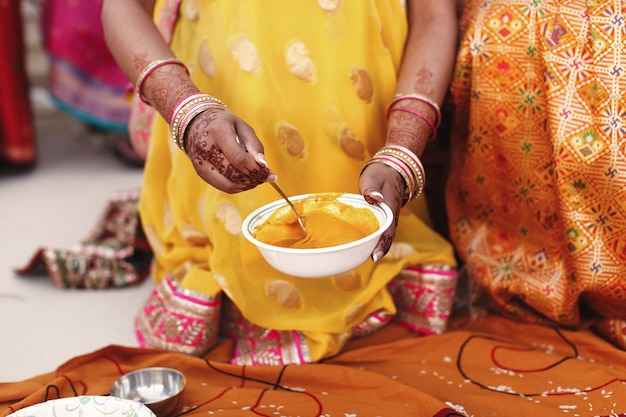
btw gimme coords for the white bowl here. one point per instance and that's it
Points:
(318, 262)
(85, 406)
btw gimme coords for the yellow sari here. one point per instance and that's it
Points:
(313, 78)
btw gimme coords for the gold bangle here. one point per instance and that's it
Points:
(412, 161)
(393, 164)
(182, 112)
(189, 117)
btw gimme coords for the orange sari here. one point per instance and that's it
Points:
(537, 190)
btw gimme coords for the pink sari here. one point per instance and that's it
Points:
(84, 80)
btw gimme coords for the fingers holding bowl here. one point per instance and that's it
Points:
(379, 183)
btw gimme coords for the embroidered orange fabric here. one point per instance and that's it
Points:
(537, 192)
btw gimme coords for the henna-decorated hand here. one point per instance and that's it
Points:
(380, 183)
(225, 152)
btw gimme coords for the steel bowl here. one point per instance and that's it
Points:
(160, 389)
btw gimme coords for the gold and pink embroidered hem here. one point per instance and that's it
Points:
(179, 320)
(114, 254)
(182, 320)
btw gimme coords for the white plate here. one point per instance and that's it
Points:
(86, 406)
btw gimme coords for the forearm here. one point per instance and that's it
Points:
(430, 50)
(426, 70)
(135, 42)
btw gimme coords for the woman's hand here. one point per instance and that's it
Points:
(382, 184)
(225, 152)
(425, 70)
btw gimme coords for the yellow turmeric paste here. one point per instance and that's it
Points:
(328, 222)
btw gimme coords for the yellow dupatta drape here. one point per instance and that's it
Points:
(313, 79)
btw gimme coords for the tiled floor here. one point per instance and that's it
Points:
(56, 205)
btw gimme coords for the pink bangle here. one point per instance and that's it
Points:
(182, 103)
(411, 160)
(404, 169)
(150, 68)
(420, 115)
(421, 98)
(191, 114)
(184, 108)
(397, 165)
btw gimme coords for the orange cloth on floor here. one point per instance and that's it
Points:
(490, 367)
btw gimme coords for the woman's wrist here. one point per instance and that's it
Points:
(416, 116)
(186, 110)
(406, 164)
(163, 83)
(152, 67)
